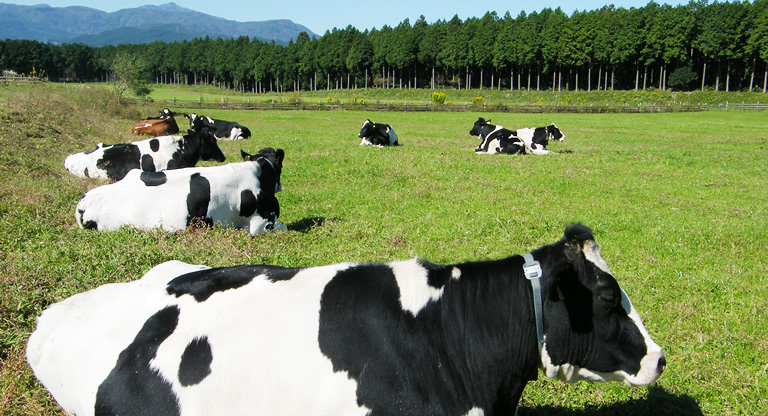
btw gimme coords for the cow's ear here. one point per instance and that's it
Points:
(245, 155)
(186, 116)
(279, 156)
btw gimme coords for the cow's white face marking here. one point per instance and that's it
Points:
(455, 273)
(475, 412)
(415, 291)
(592, 253)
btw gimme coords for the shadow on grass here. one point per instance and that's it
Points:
(307, 224)
(658, 403)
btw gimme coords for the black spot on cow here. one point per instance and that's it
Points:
(119, 159)
(153, 178)
(202, 284)
(154, 144)
(147, 163)
(132, 387)
(354, 345)
(248, 203)
(195, 363)
(198, 199)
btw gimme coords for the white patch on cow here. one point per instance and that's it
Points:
(455, 273)
(649, 365)
(415, 291)
(475, 411)
(235, 133)
(526, 135)
(592, 253)
(273, 324)
(77, 341)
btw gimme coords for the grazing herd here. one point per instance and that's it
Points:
(405, 338)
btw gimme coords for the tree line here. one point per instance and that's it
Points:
(722, 46)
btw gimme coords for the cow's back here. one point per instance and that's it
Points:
(80, 344)
(76, 341)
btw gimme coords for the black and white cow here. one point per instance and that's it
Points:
(377, 134)
(239, 195)
(496, 139)
(404, 338)
(108, 161)
(222, 129)
(536, 139)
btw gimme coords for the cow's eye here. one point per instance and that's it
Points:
(608, 298)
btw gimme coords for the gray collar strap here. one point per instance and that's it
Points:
(532, 271)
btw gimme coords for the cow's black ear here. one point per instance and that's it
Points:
(279, 156)
(186, 116)
(245, 155)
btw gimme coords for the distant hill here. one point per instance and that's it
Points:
(167, 23)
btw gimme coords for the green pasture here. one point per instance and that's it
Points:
(676, 201)
(488, 96)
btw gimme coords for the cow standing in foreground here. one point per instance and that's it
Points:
(222, 129)
(377, 134)
(405, 338)
(496, 139)
(239, 195)
(150, 155)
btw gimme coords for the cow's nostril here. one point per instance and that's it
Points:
(662, 363)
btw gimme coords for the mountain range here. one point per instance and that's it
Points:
(166, 23)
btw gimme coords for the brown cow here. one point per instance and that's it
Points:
(165, 125)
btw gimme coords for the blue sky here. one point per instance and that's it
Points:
(320, 16)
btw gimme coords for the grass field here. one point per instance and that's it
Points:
(650, 96)
(677, 202)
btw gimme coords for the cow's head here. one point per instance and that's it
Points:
(272, 157)
(554, 133)
(165, 113)
(198, 121)
(195, 122)
(479, 124)
(209, 146)
(591, 330)
(366, 130)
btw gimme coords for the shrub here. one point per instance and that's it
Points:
(439, 97)
(683, 78)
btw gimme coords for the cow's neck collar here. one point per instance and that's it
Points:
(532, 271)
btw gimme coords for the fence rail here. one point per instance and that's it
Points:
(477, 107)
(5, 80)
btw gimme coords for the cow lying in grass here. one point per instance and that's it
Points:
(377, 134)
(497, 139)
(404, 338)
(151, 155)
(239, 195)
(222, 129)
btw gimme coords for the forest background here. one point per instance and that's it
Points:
(701, 45)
